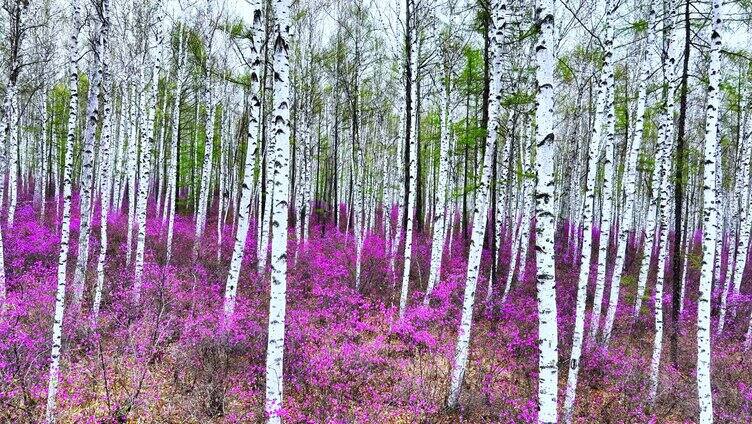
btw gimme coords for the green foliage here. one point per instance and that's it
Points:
(299, 15)
(481, 18)
(628, 280)
(243, 79)
(639, 26)
(457, 192)
(586, 55)
(195, 47)
(237, 30)
(468, 133)
(564, 71)
(620, 72)
(695, 259)
(730, 89)
(518, 98)
(622, 116)
(646, 162)
(430, 125)
(650, 128)
(471, 79)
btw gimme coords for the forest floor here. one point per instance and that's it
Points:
(348, 359)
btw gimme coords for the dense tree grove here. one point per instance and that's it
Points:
(375, 211)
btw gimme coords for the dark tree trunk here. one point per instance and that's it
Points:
(464, 172)
(420, 179)
(679, 192)
(408, 106)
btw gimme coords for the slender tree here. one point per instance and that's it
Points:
(608, 169)
(277, 300)
(412, 168)
(175, 130)
(498, 10)
(629, 187)
(594, 148)
(254, 106)
(62, 263)
(87, 159)
(544, 216)
(710, 219)
(105, 183)
(439, 218)
(147, 141)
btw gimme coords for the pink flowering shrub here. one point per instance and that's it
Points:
(348, 358)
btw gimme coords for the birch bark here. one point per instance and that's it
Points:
(254, 107)
(277, 301)
(544, 217)
(710, 219)
(480, 215)
(57, 323)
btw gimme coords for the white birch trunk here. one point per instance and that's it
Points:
(206, 172)
(263, 239)
(87, 158)
(528, 188)
(13, 152)
(544, 215)
(664, 155)
(607, 188)
(654, 229)
(649, 248)
(13, 126)
(104, 154)
(131, 175)
(439, 218)
(630, 184)
(277, 301)
(710, 219)
(413, 169)
(721, 199)
(594, 149)
(522, 237)
(745, 223)
(4, 126)
(171, 196)
(254, 120)
(398, 230)
(147, 142)
(57, 323)
(305, 219)
(480, 213)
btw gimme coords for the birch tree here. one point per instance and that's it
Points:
(627, 223)
(57, 323)
(663, 159)
(87, 157)
(254, 112)
(104, 153)
(439, 218)
(17, 29)
(147, 141)
(710, 219)
(665, 140)
(498, 11)
(544, 217)
(211, 106)
(608, 167)
(281, 129)
(412, 169)
(131, 173)
(172, 174)
(594, 148)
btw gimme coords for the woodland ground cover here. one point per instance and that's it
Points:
(347, 356)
